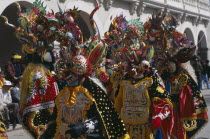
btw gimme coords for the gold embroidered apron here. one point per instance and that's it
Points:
(136, 108)
(72, 104)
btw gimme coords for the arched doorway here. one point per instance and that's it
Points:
(202, 46)
(189, 35)
(83, 22)
(8, 42)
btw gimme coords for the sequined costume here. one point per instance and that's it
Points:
(138, 92)
(83, 109)
(185, 95)
(88, 109)
(37, 32)
(37, 104)
(189, 107)
(139, 101)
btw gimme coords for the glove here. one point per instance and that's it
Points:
(92, 126)
(156, 123)
(157, 120)
(76, 130)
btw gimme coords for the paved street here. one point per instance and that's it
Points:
(19, 133)
(205, 132)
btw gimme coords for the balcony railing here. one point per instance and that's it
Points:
(194, 6)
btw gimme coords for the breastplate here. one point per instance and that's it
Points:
(72, 106)
(136, 101)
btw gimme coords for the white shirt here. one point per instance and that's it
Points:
(5, 97)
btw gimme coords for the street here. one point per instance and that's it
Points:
(205, 134)
(19, 133)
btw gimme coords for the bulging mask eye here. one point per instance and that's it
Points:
(40, 28)
(79, 65)
(145, 64)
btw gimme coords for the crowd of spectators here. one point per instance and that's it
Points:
(10, 83)
(202, 71)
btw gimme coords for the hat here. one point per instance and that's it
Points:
(16, 56)
(7, 83)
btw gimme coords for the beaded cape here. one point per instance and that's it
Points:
(112, 123)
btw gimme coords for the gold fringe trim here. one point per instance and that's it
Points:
(37, 129)
(112, 78)
(2, 129)
(191, 126)
(198, 111)
(167, 100)
(180, 75)
(187, 128)
(200, 128)
(140, 82)
(115, 83)
(126, 136)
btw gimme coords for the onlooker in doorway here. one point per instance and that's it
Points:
(15, 91)
(10, 71)
(196, 64)
(204, 76)
(6, 101)
(13, 68)
(208, 68)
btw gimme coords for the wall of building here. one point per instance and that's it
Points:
(103, 16)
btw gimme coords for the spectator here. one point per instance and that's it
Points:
(208, 68)
(13, 68)
(2, 79)
(204, 76)
(196, 64)
(15, 91)
(6, 101)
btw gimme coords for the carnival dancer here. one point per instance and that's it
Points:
(189, 107)
(140, 96)
(36, 32)
(83, 109)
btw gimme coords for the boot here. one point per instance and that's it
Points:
(14, 123)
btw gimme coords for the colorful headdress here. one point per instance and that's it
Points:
(72, 45)
(126, 43)
(37, 29)
(175, 47)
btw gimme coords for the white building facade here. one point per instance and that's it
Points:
(193, 15)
